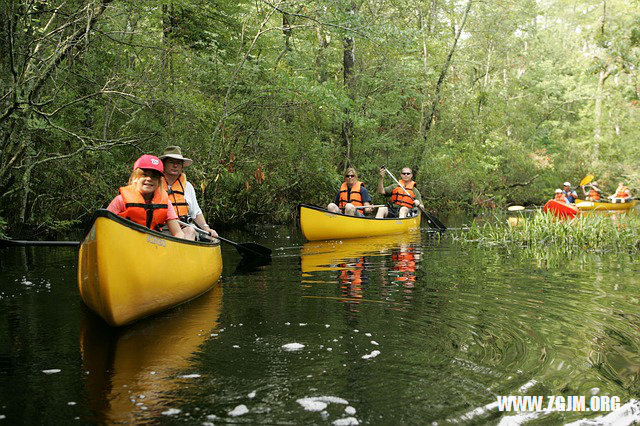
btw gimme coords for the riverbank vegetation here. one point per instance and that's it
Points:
(490, 102)
(544, 232)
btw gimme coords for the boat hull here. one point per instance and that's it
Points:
(127, 272)
(560, 210)
(591, 205)
(319, 224)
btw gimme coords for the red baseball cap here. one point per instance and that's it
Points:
(149, 162)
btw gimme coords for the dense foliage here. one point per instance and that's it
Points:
(490, 102)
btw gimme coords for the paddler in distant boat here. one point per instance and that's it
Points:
(351, 195)
(571, 195)
(181, 192)
(594, 192)
(560, 197)
(143, 200)
(622, 193)
(400, 203)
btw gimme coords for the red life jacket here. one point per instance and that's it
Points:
(176, 195)
(152, 215)
(399, 197)
(352, 195)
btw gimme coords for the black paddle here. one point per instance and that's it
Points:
(432, 221)
(245, 249)
(25, 243)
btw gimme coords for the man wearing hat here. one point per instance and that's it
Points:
(181, 192)
(569, 193)
(594, 192)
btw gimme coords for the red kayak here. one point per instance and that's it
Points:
(561, 210)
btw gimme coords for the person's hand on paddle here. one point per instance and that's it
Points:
(211, 232)
(416, 202)
(383, 172)
(368, 210)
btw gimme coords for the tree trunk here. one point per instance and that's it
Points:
(348, 62)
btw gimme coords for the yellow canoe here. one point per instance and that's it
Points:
(618, 204)
(127, 271)
(320, 224)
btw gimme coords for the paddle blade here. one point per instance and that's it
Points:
(587, 179)
(515, 208)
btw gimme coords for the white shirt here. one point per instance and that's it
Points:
(192, 201)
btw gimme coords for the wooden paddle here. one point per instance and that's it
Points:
(370, 207)
(431, 220)
(245, 249)
(25, 243)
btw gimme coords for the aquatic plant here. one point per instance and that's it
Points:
(543, 231)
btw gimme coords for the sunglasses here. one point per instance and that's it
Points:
(349, 175)
(405, 173)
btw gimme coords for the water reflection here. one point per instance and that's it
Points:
(132, 372)
(352, 261)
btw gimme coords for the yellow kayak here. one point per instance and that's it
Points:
(617, 204)
(127, 271)
(320, 224)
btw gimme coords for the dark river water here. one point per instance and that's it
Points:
(411, 329)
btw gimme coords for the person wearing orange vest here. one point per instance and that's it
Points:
(622, 192)
(181, 192)
(560, 197)
(143, 200)
(594, 192)
(351, 195)
(400, 203)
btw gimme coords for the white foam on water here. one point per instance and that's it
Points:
(527, 385)
(373, 342)
(367, 334)
(171, 412)
(236, 346)
(469, 415)
(52, 371)
(628, 414)
(292, 346)
(347, 421)
(240, 410)
(519, 419)
(71, 403)
(350, 410)
(310, 404)
(252, 395)
(190, 376)
(373, 354)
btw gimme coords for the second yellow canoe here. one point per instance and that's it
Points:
(592, 205)
(320, 224)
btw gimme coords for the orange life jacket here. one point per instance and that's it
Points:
(176, 195)
(352, 195)
(621, 193)
(399, 197)
(594, 195)
(152, 215)
(560, 197)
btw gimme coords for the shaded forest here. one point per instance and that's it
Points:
(489, 102)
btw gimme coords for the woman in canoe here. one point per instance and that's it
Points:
(594, 192)
(352, 197)
(622, 192)
(144, 201)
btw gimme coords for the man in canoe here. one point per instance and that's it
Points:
(352, 197)
(571, 195)
(144, 201)
(400, 203)
(181, 192)
(594, 192)
(622, 192)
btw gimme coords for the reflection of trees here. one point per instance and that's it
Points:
(132, 371)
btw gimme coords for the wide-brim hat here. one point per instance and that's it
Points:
(174, 151)
(566, 184)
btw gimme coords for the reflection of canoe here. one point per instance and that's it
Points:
(559, 209)
(320, 224)
(126, 271)
(132, 371)
(327, 255)
(618, 204)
